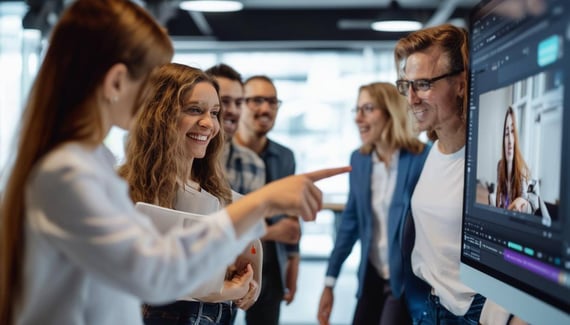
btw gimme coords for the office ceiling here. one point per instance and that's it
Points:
(286, 20)
(304, 20)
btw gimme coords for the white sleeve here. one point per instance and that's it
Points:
(259, 228)
(92, 221)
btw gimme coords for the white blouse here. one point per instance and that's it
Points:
(382, 185)
(189, 199)
(91, 258)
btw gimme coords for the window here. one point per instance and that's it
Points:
(19, 53)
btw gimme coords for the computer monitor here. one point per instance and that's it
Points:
(516, 213)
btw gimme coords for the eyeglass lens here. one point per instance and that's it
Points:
(259, 100)
(364, 109)
(421, 84)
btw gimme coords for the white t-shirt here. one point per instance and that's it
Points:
(437, 205)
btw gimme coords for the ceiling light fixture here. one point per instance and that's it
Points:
(395, 19)
(396, 25)
(211, 5)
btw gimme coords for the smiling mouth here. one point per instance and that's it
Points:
(197, 137)
(421, 111)
(230, 122)
(264, 119)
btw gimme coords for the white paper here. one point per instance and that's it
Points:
(165, 220)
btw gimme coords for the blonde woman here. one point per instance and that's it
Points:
(385, 170)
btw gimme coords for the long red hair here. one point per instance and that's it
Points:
(90, 37)
(520, 171)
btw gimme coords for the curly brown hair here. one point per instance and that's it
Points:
(156, 162)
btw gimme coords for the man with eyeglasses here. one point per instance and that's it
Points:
(281, 243)
(243, 168)
(433, 67)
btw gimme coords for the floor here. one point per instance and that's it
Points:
(316, 244)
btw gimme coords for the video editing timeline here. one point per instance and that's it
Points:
(478, 241)
(519, 63)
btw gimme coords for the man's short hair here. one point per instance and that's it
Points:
(225, 71)
(260, 77)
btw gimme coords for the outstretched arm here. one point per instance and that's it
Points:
(293, 195)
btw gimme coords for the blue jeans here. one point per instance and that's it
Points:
(437, 314)
(188, 313)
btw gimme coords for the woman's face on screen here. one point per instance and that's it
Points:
(509, 138)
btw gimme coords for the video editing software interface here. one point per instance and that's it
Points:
(516, 224)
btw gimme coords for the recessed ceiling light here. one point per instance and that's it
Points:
(211, 5)
(396, 25)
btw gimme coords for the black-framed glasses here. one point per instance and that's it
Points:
(259, 100)
(364, 109)
(421, 84)
(228, 100)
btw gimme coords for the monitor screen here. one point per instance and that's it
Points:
(516, 213)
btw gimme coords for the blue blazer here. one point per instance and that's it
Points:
(356, 224)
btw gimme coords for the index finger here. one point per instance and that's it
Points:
(329, 172)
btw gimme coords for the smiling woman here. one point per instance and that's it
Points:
(182, 110)
(385, 170)
(173, 156)
(199, 121)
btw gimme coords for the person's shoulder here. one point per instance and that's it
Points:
(278, 148)
(276, 145)
(236, 196)
(73, 155)
(359, 155)
(423, 151)
(246, 154)
(243, 150)
(68, 163)
(415, 158)
(428, 146)
(359, 161)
